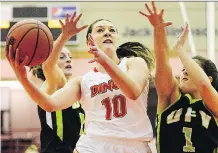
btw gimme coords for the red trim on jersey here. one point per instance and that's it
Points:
(96, 70)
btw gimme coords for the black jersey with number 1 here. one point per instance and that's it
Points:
(186, 126)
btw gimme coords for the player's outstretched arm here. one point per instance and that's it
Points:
(197, 75)
(69, 29)
(166, 83)
(54, 76)
(59, 100)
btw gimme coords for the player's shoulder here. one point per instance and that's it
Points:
(136, 61)
(133, 59)
(181, 101)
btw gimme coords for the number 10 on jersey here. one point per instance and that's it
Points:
(115, 106)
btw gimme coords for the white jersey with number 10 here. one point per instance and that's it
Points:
(109, 112)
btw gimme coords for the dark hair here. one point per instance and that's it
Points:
(210, 69)
(38, 72)
(136, 49)
(91, 26)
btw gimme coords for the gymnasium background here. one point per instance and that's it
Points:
(19, 119)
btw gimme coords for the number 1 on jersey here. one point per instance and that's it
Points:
(188, 147)
(117, 106)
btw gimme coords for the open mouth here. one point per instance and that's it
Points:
(184, 79)
(107, 41)
(68, 67)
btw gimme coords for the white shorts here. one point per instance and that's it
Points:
(93, 144)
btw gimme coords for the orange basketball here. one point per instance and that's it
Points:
(33, 39)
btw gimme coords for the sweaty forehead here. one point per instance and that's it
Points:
(103, 23)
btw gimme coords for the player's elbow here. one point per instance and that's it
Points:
(48, 108)
(134, 95)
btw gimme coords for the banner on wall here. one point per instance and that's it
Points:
(60, 12)
(57, 13)
(171, 31)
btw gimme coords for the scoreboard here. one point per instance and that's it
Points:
(49, 15)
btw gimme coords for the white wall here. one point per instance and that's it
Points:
(23, 111)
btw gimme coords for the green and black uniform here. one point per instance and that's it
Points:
(186, 126)
(61, 130)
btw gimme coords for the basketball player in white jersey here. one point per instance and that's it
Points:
(113, 95)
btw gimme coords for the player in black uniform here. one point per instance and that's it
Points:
(188, 109)
(60, 130)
